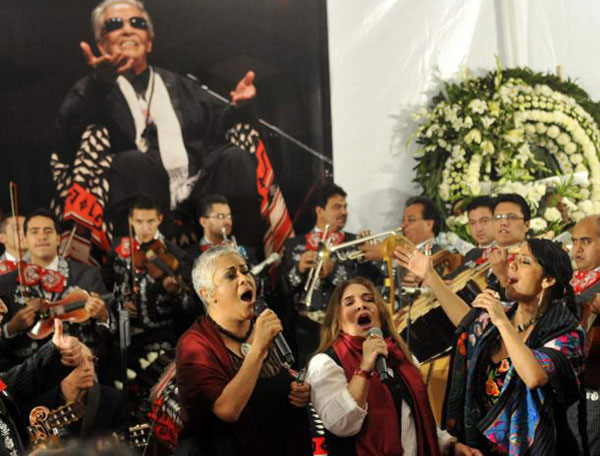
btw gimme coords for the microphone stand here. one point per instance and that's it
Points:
(268, 125)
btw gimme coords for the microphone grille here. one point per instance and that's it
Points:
(260, 306)
(375, 332)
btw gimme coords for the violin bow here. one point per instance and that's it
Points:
(14, 208)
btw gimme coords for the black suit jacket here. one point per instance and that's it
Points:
(33, 377)
(19, 348)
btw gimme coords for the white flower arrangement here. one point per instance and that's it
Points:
(509, 131)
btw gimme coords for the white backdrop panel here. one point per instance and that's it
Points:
(388, 57)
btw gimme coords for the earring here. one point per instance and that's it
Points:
(541, 300)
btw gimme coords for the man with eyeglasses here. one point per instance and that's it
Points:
(155, 293)
(216, 220)
(511, 223)
(586, 285)
(163, 129)
(301, 255)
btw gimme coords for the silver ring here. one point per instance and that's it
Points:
(412, 254)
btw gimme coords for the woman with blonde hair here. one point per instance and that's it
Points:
(362, 414)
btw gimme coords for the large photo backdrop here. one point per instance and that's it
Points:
(388, 58)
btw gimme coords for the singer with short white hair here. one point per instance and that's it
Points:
(362, 414)
(236, 396)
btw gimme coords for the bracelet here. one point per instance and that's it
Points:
(363, 373)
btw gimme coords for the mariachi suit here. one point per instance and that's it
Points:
(16, 349)
(586, 285)
(204, 120)
(34, 376)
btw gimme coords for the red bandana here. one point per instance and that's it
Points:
(584, 279)
(51, 281)
(314, 237)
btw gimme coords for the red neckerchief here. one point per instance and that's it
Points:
(314, 237)
(33, 274)
(380, 430)
(582, 280)
(124, 248)
(7, 266)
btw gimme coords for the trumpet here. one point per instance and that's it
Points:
(228, 240)
(340, 253)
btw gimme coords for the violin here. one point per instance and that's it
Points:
(155, 259)
(71, 308)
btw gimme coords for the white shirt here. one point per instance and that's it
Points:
(340, 413)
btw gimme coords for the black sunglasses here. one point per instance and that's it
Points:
(115, 23)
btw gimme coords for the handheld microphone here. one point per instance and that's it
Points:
(283, 349)
(380, 362)
(267, 262)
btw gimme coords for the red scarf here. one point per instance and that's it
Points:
(380, 433)
(582, 280)
(314, 237)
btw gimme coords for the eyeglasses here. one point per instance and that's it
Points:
(510, 218)
(221, 216)
(116, 23)
(411, 220)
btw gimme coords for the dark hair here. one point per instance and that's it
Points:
(144, 202)
(430, 211)
(41, 212)
(323, 194)
(205, 204)
(516, 199)
(556, 263)
(481, 201)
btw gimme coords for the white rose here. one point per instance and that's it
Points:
(530, 129)
(563, 139)
(462, 219)
(585, 206)
(552, 214)
(577, 215)
(553, 132)
(569, 204)
(538, 224)
(540, 128)
(570, 148)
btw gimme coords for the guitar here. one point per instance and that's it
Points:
(48, 426)
(138, 435)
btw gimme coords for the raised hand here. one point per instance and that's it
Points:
(245, 89)
(106, 67)
(416, 262)
(499, 264)
(71, 350)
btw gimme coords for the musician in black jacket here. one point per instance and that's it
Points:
(586, 285)
(300, 257)
(48, 277)
(40, 372)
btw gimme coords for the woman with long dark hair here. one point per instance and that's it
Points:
(362, 414)
(515, 366)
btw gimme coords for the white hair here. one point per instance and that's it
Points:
(98, 16)
(204, 269)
